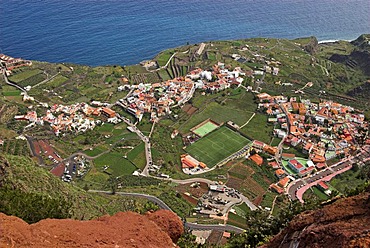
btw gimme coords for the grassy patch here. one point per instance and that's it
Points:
(237, 220)
(95, 151)
(24, 75)
(137, 156)
(321, 195)
(219, 113)
(117, 164)
(258, 128)
(347, 181)
(163, 57)
(57, 81)
(12, 93)
(217, 145)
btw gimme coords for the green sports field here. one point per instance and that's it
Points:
(217, 145)
(205, 129)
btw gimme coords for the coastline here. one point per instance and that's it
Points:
(209, 41)
(334, 40)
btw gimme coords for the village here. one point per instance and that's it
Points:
(314, 136)
(321, 131)
(326, 133)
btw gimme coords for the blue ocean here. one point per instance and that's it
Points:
(100, 32)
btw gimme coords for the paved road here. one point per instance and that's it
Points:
(207, 181)
(46, 80)
(162, 205)
(7, 81)
(222, 228)
(297, 188)
(145, 139)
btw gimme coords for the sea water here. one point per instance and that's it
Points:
(100, 32)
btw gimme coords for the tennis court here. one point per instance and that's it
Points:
(206, 128)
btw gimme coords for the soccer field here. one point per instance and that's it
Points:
(217, 145)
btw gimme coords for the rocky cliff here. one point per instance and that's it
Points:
(129, 229)
(345, 223)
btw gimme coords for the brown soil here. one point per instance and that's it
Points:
(195, 192)
(189, 109)
(258, 200)
(190, 199)
(346, 223)
(121, 230)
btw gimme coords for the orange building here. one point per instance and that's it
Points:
(284, 182)
(278, 189)
(269, 149)
(108, 112)
(257, 159)
(279, 172)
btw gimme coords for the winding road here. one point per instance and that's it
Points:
(163, 205)
(298, 187)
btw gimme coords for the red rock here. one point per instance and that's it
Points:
(345, 223)
(121, 230)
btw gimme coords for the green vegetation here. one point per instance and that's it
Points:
(237, 220)
(217, 145)
(56, 82)
(18, 77)
(218, 113)
(258, 128)
(117, 164)
(137, 156)
(15, 147)
(175, 201)
(31, 192)
(163, 57)
(348, 181)
(12, 93)
(260, 226)
(253, 181)
(32, 207)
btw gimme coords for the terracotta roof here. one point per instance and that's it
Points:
(296, 164)
(279, 172)
(284, 182)
(276, 188)
(323, 185)
(257, 159)
(58, 171)
(288, 155)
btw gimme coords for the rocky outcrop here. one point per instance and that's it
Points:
(345, 223)
(159, 229)
(168, 222)
(312, 46)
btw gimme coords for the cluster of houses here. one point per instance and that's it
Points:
(157, 99)
(75, 118)
(191, 165)
(10, 63)
(322, 131)
(271, 66)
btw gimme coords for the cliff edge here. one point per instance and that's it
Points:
(128, 229)
(345, 223)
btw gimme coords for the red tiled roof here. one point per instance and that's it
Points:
(284, 182)
(288, 155)
(257, 159)
(323, 185)
(276, 188)
(58, 171)
(279, 172)
(296, 164)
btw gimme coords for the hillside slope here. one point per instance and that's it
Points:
(27, 190)
(346, 223)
